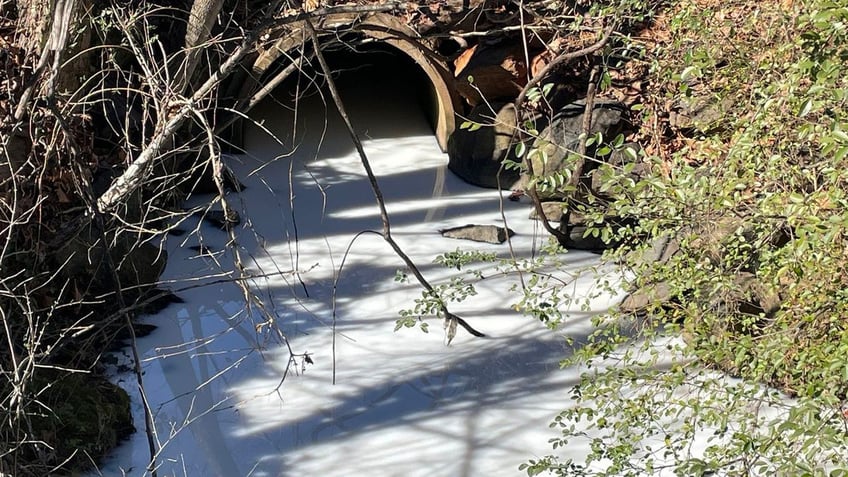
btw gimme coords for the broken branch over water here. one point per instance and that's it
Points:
(451, 320)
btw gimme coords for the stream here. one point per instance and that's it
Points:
(227, 399)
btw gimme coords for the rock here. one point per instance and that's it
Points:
(605, 181)
(476, 156)
(562, 135)
(578, 239)
(710, 237)
(661, 249)
(741, 306)
(552, 210)
(83, 261)
(123, 337)
(707, 237)
(220, 220)
(479, 233)
(747, 295)
(561, 138)
(156, 300)
(497, 71)
(701, 114)
(639, 300)
(143, 264)
(542, 59)
(709, 240)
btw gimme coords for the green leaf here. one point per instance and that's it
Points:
(520, 149)
(796, 198)
(689, 72)
(805, 108)
(618, 141)
(840, 135)
(841, 153)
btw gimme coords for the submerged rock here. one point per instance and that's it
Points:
(221, 220)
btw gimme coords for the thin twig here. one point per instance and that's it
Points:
(336, 287)
(135, 174)
(244, 106)
(559, 60)
(346, 9)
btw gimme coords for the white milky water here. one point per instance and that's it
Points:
(403, 403)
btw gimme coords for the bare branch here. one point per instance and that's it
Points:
(450, 318)
(137, 171)
(560, 60)
(200, 21)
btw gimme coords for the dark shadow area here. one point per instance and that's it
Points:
(389, 75)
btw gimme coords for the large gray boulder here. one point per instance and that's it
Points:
(476, 156)
(560, 140)
(84, 262)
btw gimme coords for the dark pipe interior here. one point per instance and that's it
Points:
(365, 66)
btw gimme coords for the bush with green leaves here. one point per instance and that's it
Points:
(750, 183)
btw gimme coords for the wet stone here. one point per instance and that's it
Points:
(479, 233)
(221, 220)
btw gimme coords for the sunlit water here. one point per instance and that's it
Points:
(403, 403)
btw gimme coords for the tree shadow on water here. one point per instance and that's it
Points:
(474, 406)
(403, 404)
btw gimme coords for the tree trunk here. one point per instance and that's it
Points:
(33, 24)
(200, 21)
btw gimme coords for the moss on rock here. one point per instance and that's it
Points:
(84, 416)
